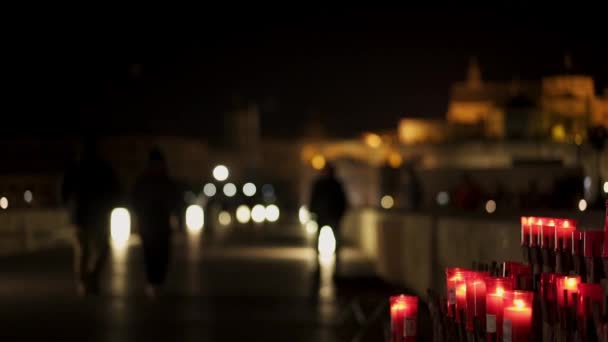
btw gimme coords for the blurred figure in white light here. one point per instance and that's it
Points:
(328, 203)
(155, 198)
(90, 190)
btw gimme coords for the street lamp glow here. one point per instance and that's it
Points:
(229, 189)
(243, 214)
(582, 205)
(220, 173)
(209, 189)
(28, 196)
(120, 226)
(272, 213)
(249, 189)
(258, 213)
(387, 202)
(224, 218)
(304, 214)
(327, 242)
(195, 218)
(4, 203)
(490, 206)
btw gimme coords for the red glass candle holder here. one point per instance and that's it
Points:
(566, 287)
(496, 287)
(525, 230)
(548, 286)
(521, 275)
(476, 298)
(404, 313)
(592, 243)
(547, 233)
(563, 234)
(535, 224)
(456, 291)
(577, 243)
(589, 294)
(517, 316)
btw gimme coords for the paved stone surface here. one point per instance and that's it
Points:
(232, 284)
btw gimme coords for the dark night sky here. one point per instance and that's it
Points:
(349, 75)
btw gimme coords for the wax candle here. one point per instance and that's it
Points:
(547, 286)
(588, 295)
(476, 298)
(520, 274)
(495, 291)
(404, 313)
(456, 290)
(535, 224)
(577, 243)
(525, 230)
(547, 233)
(563, 234)
(517, 316)
(566, 286)
(593, 243)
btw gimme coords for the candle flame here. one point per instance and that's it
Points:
(551, 223)
(571, 283)
(524, 220)
(566, 224)
(519, 303)
(500, 291)
(530, 220)
(398, 306)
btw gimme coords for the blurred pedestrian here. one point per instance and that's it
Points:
(155, 198)
(90, 190)
(328, 203)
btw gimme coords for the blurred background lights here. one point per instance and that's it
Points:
(224, 218)
(272, 213)
(195, 218)
(229, 189)
(372, 140)
(249, 189)
(120, 226)
(387, 202)
(220, 173)
(318, 162)
(4, 203)
(587, 183)
(243, 214)
(491, 206)
(312, 227)
(28, 196)
(209, 189)
(258, 213)
(606, 187)
(582, 205)
(304, 214)
(443, 198)
(327, 242)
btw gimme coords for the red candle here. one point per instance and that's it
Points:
(535, 224)
(495, 292)
(563, 234)
(566, 286)
(577, 243)
(404, 312)
(517, 316)
(476, 298)
(547, 233)
(547, 286)
(517, 271)
(457, 290)
(592, 242)
(588, 295)
(525, 230)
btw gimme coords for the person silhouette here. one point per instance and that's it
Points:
(155, 198)
(90, 190)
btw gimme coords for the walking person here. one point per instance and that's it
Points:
(155, 198)
(328, 203)
(90, 190)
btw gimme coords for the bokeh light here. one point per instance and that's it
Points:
(304, 214)
(28, 196)
(606, 187)
(220, 173)
(209, 190)
(327, 242)
(582, 205)
(195, 218)
(120, 226)
(443, 198)
(387, 202)
(229, 189)
(243, 214)
(318, 162)
(312, 227)
(249, 189)
(395, 160)
(258, 213)
(272, 213)
(490, 206)
(224, 218)
(372, 140)
(4, 203)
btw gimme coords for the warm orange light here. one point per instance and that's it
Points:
(500, 292)
(395, 160)
(571, 283)
(566, 224)
(519, 303)
(456, 277)
(398, 306)
(373, 140)
(551, 223)
(318, 162)
(461, 290)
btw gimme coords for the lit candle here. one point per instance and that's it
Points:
(476, 298)
(517, 319)
(404, 312)
(547, 234)
(495, 292)
(535, 224)
(525, 230)
(577, 243)
(518, 271)
(563, 234)
(588, 294)
(547, 286)
(566, 286)
(592, 242)
(456, 289)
